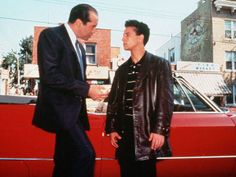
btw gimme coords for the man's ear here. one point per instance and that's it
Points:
(141, 37)
(78, 22)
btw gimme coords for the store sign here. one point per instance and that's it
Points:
(97, 72)
(31, 71)
(197, 66)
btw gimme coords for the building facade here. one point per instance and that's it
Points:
(99, 54)
(209, 35)
(171, 49)
(224, 42)
(98, 47)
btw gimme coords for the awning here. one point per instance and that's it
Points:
(209, 83)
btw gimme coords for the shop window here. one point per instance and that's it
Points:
(171, 55)
(230, 58)
(91, 54)
(231, 99)
(230, 29)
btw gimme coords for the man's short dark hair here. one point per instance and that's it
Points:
(141, 28)
(81, 11)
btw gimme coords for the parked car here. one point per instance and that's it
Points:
(203, 139)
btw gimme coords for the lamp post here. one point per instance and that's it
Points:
(18, 72)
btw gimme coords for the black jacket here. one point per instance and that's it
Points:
(62, 92)
(152, 104)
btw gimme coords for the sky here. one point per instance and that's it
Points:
(18, 18)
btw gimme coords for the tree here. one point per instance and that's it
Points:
(10, 63)
(24, 56)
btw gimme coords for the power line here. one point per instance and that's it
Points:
(115, 30)
(121, 9)
(54, 2)
(115, 8)
(45, 22)
(27, 20)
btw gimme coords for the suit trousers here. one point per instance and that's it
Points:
(74, 154)
(132, 168)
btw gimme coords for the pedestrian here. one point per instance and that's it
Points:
(61, 106)
(140, 106)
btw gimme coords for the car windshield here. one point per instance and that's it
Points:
(186, 100)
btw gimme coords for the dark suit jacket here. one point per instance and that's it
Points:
(62, 92)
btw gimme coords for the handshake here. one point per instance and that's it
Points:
(98, 92)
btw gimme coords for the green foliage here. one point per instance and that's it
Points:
(9, 60)
(25, 53)
(10, 63)
(24, 56)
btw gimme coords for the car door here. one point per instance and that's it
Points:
(201, 137)
(25, 151)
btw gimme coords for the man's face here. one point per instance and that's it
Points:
(88, 29)
(130, 38)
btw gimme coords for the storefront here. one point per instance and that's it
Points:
(205, 77)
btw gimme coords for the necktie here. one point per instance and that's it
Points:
(80, 58)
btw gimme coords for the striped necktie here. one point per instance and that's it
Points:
(80, 58)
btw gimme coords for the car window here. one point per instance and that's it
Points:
(199, 104)
(182, 103)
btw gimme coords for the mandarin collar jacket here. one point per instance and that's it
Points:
(152, 105)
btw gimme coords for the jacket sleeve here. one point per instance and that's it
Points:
(112, 107)
(164, 103)
(50, 48)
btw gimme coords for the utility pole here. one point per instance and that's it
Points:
(18, 72)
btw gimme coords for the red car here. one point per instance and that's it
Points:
(203, 139)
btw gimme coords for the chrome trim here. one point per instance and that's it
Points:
(40, 159)
(200, 112)
(180, 84)
(96, 113)
(197, 157)
(181, 81)
(103, 158)
(24, 159)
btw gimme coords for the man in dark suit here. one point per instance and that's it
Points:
(61, 107)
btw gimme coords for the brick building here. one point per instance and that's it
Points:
(209, 35)
(98, 54)
(98, 47)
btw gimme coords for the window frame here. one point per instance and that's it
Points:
(231, 60)
(91, 54)
(230, 29)
(171, 55)
(231, 96)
